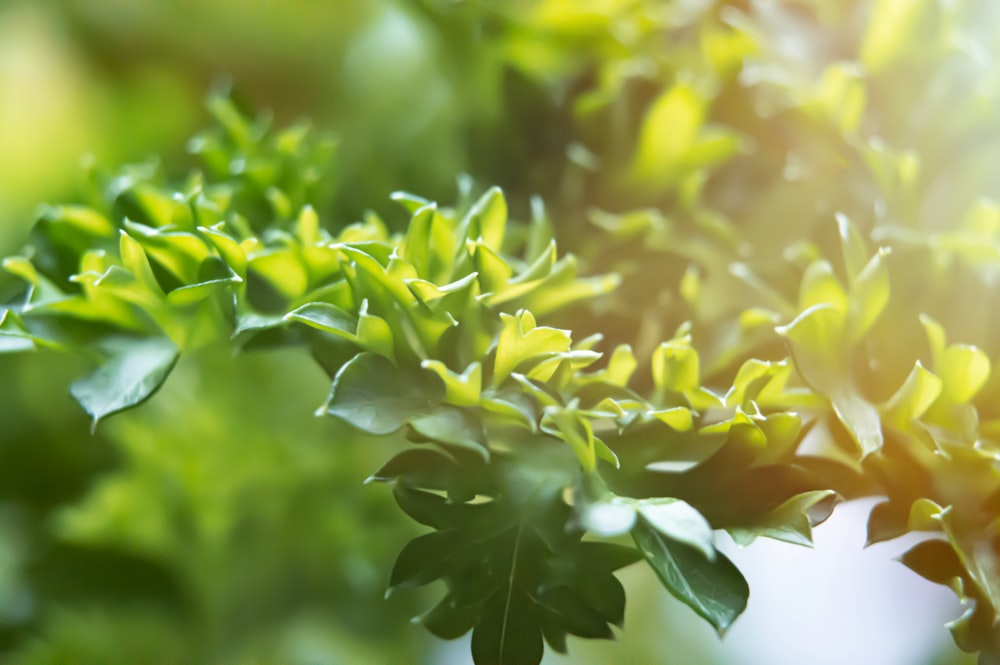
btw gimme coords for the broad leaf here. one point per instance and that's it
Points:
(508, 632)
(714, 589)
(452, 426)
(679, 521)
(136, 370)
(371, 394)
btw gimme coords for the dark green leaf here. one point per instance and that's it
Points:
(606, 557)
(574, 613)
(508, 632)
(886, 521)
(605, 594)
(934, 559)
(449, 620)
(424, 507)
(423, 467)
(422, 561)
(714, 589)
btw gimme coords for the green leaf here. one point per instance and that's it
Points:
(460, 389)
(605, 594)
(892, 28)
(448, 620)
(678, 418)
(326, 317)
(821, 287)
(14, 336)
(935, 560)
(80, 218)
(869, 296)
(575, 429)
(488, 219)
(676, 367)
(853, 246)
(886, 521)
(411, 202)
(421, 561)
(793, 520)
(417, 467)
(371, 394)
(374, 333)
(891, 519)
(861, 419)
(508, 632)
(714, 589)
(417, 245)
(452, 426)
(816, 340)
(521, 340)
(284, 270)
(668, 134)
(136, 370)
(612, 517)
(679, 521)
(920, 390)
(963, 371)
(574, 613)
(227, 247)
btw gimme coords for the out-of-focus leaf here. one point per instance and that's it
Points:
(914, 397)
(868, 297)
(963, 371)
(816, 338)
(861, 419)
(135, 370)
(676, 367)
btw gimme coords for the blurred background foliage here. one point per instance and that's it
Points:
(221, 523)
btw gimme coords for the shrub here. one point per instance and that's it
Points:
(764, 254)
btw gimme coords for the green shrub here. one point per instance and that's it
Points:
(759, 201)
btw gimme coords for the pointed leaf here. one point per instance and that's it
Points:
(920, 390)
(869, 296)
(793, 520)
(676, 367)
(448, 620)
(963, 371)
(136, 370)
(520, 340)
(714, 589)
(679, 521)
(816, 339)
(861, 419)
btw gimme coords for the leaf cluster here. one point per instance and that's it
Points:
(756, 223)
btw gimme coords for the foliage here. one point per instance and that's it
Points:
(769, 252)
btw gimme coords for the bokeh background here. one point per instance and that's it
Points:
(222, 522)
